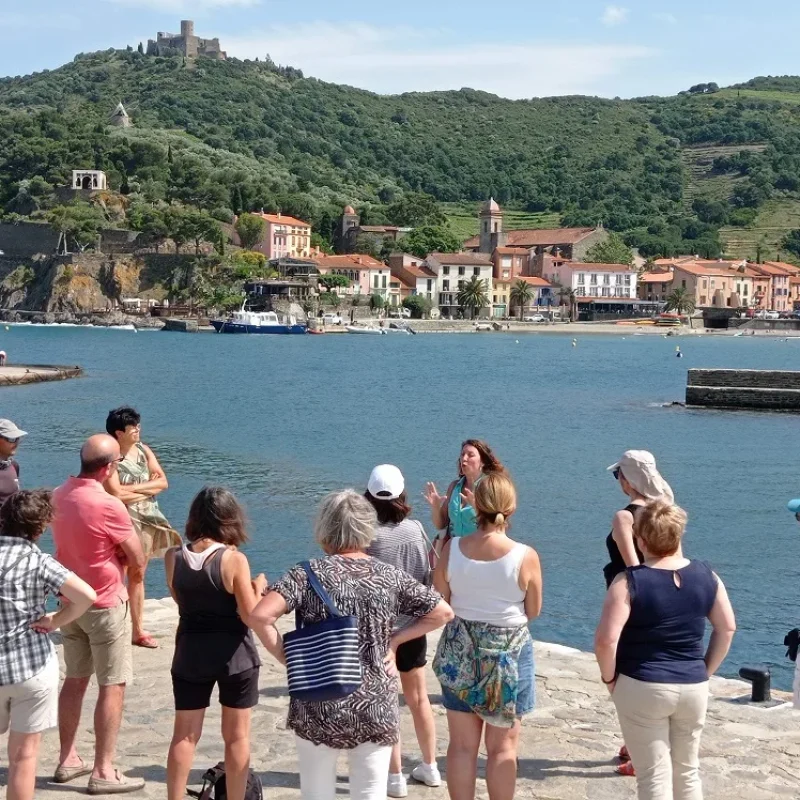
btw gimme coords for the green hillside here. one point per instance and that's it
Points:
(232, 136)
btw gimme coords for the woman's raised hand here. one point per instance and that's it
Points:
(468, 497)
(432, 496)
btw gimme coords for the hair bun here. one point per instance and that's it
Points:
(499, 519)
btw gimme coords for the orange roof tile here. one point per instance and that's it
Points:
(533, 280)
(283, 219)
(656, 277)
(539, 237)
(353, 262)
(462, 259)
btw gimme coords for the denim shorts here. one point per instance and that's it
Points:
(526, 687)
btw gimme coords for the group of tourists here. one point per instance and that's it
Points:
(362, 612)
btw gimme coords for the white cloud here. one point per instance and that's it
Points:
(402, 59)
(185, 5)
(614, 15)
(666, 17)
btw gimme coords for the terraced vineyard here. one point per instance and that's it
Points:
(463, 219)
(701, 180)
(764, 236)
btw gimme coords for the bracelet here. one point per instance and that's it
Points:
(607, 683)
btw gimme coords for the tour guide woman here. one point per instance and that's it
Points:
(365, 723)
(485, 656)
(455, 512)
(649, 645)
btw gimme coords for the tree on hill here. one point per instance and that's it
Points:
(791, 242)
(521, 295)
(414, 210)
(79, 222)
(331, 282)
(250, 228)
(473, 296)
(199, 227)
(150, 221)
(612, 251)
(430, 239)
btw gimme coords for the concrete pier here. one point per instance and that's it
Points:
(19, 374)
(770, 390)
(566, 747)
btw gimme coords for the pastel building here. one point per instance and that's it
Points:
(592, 280)
(453, 271)
(415, 272)
(284, 237)
(367, 275)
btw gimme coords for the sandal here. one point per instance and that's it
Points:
(66, 774)
(145, 640)
(626, 769)
(624, 755)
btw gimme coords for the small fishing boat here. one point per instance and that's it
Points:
(365, 329)
(257, 322)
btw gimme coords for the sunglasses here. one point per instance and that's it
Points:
(616, 473)
(10, 441)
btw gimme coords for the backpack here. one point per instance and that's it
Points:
(214, 787)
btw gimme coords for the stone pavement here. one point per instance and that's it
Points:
(566, 751)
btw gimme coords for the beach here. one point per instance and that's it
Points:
(566, 748)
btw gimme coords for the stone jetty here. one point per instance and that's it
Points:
(20, 374)
(759, 389)
(567, 744)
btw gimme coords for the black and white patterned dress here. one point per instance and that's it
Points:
(376, 593)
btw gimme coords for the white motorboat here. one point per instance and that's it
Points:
(365, 329)
(254, 322)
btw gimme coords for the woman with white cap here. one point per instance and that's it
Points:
(403, 543)
(641, 481)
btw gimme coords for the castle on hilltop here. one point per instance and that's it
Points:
(185, 44)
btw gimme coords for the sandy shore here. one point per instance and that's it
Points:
(566, 751)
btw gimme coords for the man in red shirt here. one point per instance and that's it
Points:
(95, 539)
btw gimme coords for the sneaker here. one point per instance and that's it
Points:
(427, 774)
(397, 786)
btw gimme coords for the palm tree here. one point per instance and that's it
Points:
(521, 295)
(473, 295)
(569, 298)
(681, 302)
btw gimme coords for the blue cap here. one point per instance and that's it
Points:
(794, 505)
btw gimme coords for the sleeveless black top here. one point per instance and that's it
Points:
(212, 642)
(616, 563)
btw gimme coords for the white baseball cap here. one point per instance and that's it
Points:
(386, 482)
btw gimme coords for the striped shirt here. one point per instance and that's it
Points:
(27, 577)
(404, 545)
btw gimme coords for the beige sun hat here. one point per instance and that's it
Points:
(639, 469)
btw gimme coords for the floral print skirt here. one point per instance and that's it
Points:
(486, 670)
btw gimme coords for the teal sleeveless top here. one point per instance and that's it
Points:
(462, 519)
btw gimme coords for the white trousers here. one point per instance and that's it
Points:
(369, 770)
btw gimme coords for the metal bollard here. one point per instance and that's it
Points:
(760, 678)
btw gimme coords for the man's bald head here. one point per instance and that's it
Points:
(97, 453)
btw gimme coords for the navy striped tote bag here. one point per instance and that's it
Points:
(322, 659)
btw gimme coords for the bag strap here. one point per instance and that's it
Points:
(13, 564)
(319, 590)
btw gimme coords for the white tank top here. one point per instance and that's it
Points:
(487, 591)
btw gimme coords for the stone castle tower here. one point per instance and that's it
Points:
(491, 221)
(185, 43)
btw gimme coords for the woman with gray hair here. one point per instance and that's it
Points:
(364, 723)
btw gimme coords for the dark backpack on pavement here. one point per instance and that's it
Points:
(214, 787)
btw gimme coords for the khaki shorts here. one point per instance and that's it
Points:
(99, 643)
(31, 706)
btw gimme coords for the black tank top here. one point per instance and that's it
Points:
(617, 563)
(212, 641)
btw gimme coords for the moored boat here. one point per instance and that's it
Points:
(364, 329)
(258, 322)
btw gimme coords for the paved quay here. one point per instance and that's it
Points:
(20, 374)
(566, 749)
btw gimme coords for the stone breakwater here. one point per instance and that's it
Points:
(566, 751)
(20, 374)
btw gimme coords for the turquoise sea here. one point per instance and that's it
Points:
(283, 420)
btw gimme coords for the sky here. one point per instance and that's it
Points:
(513, 48)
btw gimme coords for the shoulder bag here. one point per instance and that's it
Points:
(322, 659)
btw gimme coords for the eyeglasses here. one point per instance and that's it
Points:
(10, 441)
(616, 473)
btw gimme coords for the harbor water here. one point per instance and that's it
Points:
(283, 420)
